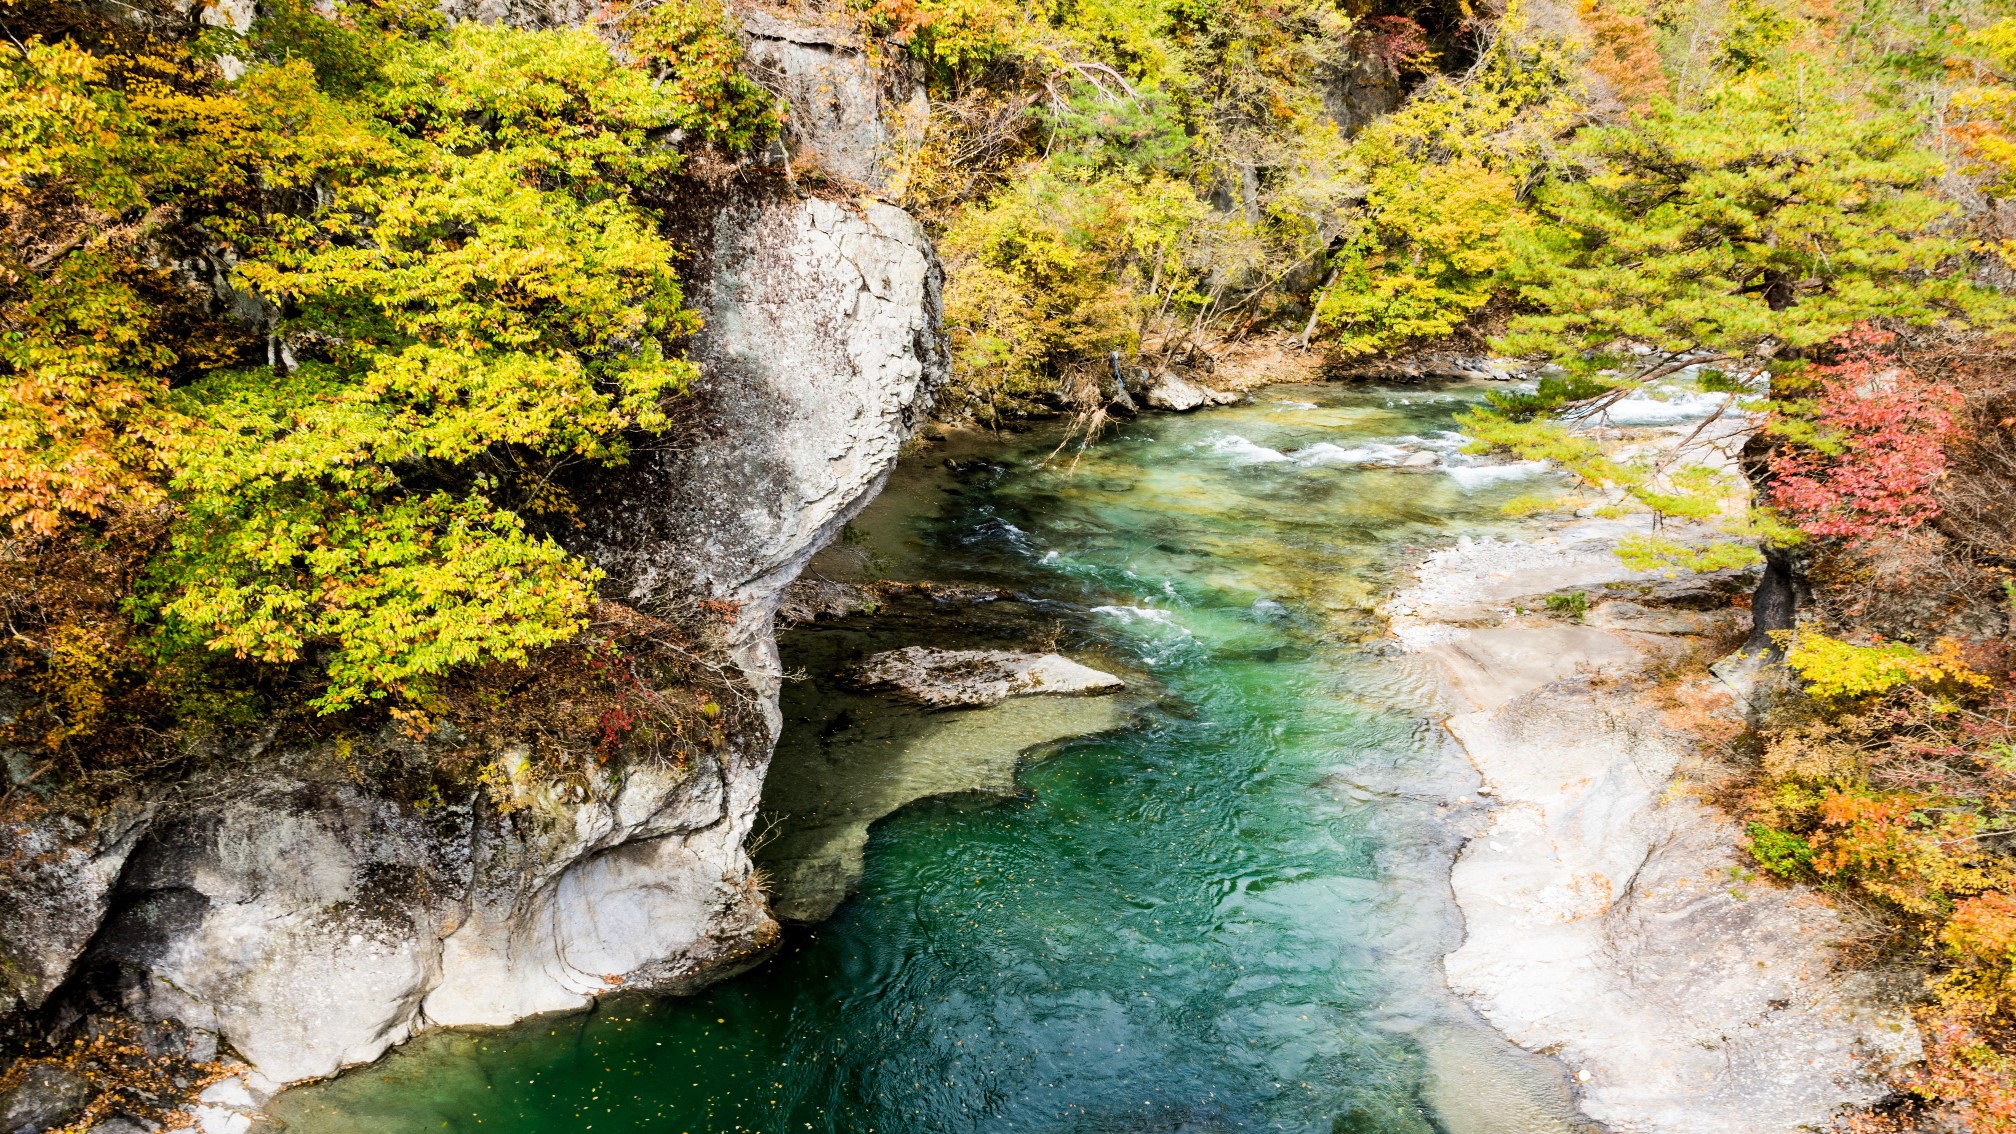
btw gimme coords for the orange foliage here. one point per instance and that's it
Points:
(1964, 1071)
(1624, 54)
(1901, 849)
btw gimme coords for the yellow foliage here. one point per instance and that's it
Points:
(1835, 670)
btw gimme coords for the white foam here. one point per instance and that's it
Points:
(1136, 614)
(1469, 477)
(1240, 451)
(1659, 407)
(1325, 453)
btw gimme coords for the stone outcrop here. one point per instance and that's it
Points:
(847, 117)
(826, 315)
(1178, 394)
(309, 922)
(55, 894)
(950, 679)
(308, 917)
(1608, 918)
(1361, 90)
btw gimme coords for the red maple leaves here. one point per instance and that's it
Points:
(1870, 446)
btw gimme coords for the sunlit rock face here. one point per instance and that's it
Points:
(309, 921)
(820, 352)
(848, 117)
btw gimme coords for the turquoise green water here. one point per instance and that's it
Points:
(1227, 915)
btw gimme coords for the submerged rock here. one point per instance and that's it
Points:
(870, 761)
(950, 679)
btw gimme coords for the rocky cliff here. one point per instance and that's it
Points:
(308, 915)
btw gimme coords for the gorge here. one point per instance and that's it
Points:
(908, 567)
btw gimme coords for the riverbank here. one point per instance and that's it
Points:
(1611, 919)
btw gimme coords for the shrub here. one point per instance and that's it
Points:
(435, 280)
(1574, 604)
(1781, 852)
(1835, 670)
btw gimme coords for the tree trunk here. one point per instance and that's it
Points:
(1775, 606)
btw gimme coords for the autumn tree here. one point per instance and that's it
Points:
(1734, 235)
(424, 277)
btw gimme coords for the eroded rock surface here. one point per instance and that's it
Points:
(1178, 394)
(1608, 917)
(846, 116)
(822, 332)
(57, 890)
(950, 679)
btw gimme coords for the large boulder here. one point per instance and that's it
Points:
(55, 890)
(821, 354)
(1180, 395)
(846, 115)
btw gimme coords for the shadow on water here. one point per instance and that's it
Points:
(1222, 910)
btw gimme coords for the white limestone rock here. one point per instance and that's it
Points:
(1607, 917)
(950, 679)
(1180, 395)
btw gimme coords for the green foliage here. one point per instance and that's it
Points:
(1834, 670)
(1175, 161)
(1551, 393)
(1651, 553)
(441, 234)
(1062, 267)
(1574, 604)
(1095, 133)
(1425, 259)
(1753, 35)
(693, 51)
(1780, 211)
(1781, 852)
(1771, 211)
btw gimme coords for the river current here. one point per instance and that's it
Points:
(1224, 911)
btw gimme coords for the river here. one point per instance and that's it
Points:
(1224, 910)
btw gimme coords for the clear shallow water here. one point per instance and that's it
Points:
(1226, 915)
